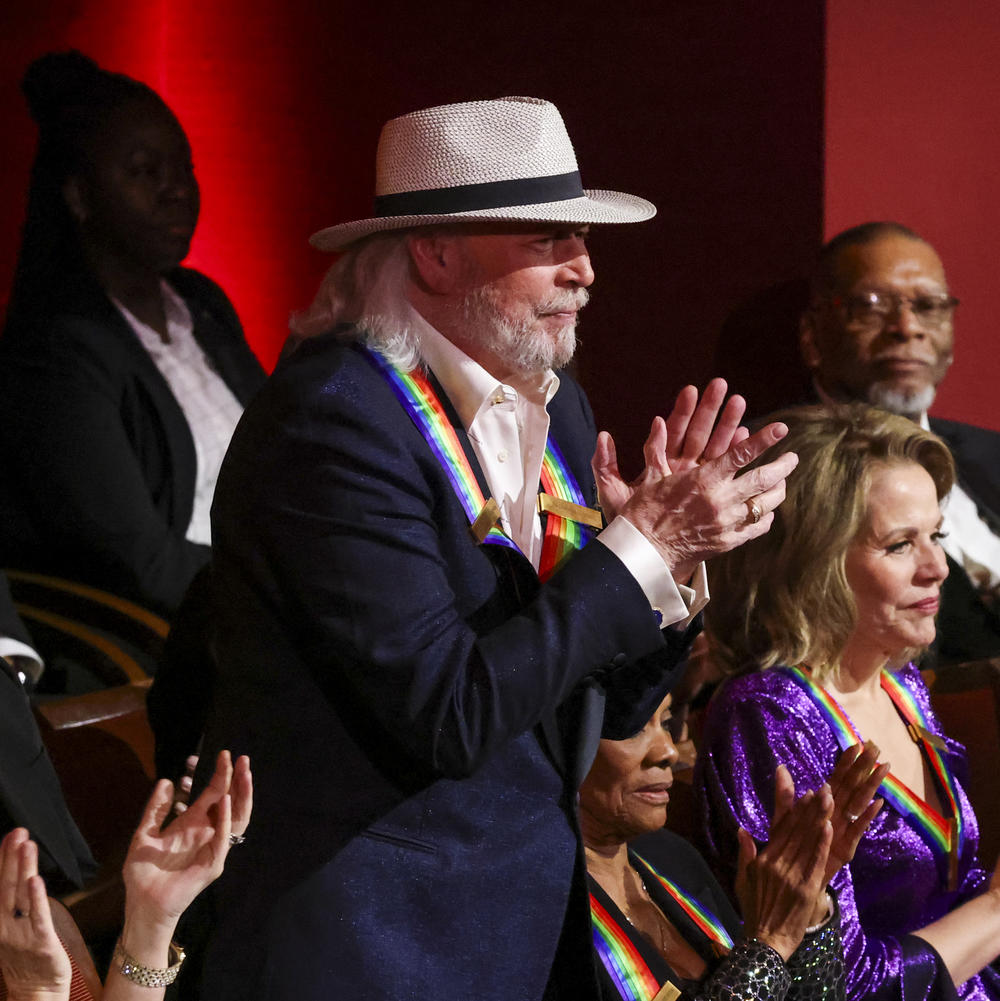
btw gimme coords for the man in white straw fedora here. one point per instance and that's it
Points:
(424, 628)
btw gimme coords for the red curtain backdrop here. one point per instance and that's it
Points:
(713, 110)
(232, 74)
(912, 96)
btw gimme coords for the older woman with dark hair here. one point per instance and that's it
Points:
(819, 621)
(122, 374)
(663, 924)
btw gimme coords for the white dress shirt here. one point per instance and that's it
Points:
(211, 410)
(968, 540)
(508, 426)
(25, 661)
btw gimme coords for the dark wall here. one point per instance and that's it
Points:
(711, 109)
(911, 135)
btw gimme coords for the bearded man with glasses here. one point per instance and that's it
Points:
(880, 328)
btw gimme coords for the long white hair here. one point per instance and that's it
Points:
(366, 288)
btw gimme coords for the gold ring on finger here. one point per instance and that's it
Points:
(753, 511)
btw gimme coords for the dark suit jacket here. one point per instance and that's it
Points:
(396, 686)
(97, 457)
(968, 629)
(30, 794)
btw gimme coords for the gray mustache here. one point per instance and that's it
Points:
(564, 301)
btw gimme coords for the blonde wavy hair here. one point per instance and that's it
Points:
(783, 598)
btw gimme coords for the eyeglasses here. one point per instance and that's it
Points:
(871, 309)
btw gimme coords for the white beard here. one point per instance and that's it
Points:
(910, 403)
(516, 340)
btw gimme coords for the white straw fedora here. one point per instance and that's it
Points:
(509, 160)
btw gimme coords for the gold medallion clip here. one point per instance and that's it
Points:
(547, 504)
(667, 993)
(918, 734)
(487, 518)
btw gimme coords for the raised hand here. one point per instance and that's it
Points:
(708, 509)
(853, 783)
(694, 431)
(34, 963)
(166, 869)
(779, 886)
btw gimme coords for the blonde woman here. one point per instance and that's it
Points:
(819, 620)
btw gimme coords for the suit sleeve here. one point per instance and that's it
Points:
(77, 475)
(10, 622)
(750, 732)
(341, 514)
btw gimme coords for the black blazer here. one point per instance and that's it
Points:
(30, 794)
(397, 687)
(97, 457)
(968, 628)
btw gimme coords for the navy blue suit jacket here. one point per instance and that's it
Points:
(418, 709)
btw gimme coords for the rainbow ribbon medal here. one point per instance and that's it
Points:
(949, 833)
(569, 525)
(627, 969)
(942, 834)
(709, 925)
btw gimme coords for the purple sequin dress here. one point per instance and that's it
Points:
(895, 884)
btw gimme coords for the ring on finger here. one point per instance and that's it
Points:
(18, 913)
(753, 511)
(237, 839)
(852, 817)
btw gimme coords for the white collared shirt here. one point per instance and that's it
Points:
(25, 660)
(508, 426)
(969, 540)
(210, 408)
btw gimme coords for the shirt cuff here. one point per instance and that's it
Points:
(677, 604)
(22, 657)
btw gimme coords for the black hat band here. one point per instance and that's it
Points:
(488, 195)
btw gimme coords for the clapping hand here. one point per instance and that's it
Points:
(853, 783)
(689, 500)
(676, 445)
(34, 964)
(165, 869)
(779, 887)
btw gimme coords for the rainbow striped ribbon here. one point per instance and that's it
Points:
(949, 833)
(627, 969)
(562, 535)
(943, 835)
(709, 925)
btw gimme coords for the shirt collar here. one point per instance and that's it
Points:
(466, 383)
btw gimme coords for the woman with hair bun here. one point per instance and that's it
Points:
(122, 374)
